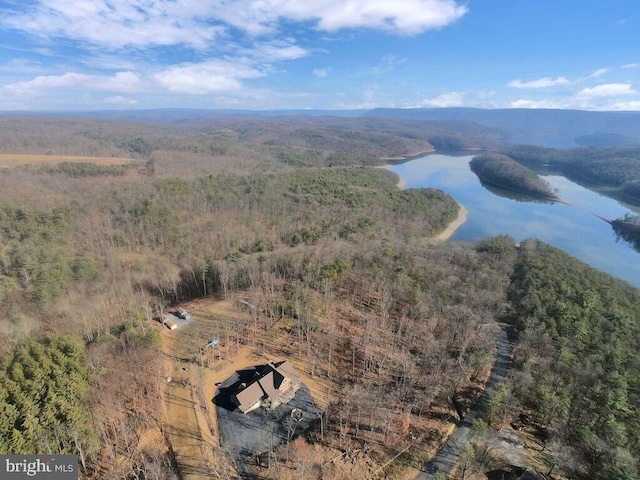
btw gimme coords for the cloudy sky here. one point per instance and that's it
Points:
(319, 54)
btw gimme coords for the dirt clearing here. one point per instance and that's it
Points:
(190, 421)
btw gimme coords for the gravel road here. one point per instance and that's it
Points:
(446, 459)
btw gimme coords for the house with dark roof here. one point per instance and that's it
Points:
(266, 386)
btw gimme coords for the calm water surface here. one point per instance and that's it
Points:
(576, 229)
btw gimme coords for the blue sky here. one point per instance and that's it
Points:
(319, 54)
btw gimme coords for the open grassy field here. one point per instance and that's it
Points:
(9, 160)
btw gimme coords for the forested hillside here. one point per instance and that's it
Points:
(611, 167)
(578, 360)
(340, 264)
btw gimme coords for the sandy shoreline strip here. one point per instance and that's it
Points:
(453, 226)
(401, 183)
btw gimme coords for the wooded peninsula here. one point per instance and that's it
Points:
(504, 172)
(617, 168)
(284, 244)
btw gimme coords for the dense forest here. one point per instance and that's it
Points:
(611, 167)
(401, 329)
(577, 360)
(504, 172)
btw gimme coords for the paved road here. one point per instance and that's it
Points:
(447, 457)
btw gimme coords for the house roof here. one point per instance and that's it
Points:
(264, 383)
(248, 397)
(271, 375)
(268, 385)
(286, 369)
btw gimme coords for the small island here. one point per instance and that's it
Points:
(627, 228)
(502, 171)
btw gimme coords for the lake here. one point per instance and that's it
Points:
(574, 228)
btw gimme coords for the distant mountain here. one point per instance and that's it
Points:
(603, 140)
(444, 128)
(544, 127)
(191, 115)
(551, 128)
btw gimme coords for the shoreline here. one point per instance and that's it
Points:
(401, 183)
(538, 195)
(408, 156)
(453, 226)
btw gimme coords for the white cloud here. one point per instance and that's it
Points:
(227, 42)
(116, 24)
(321, 72)
(598, 73)
(120, 82)
(406, 17)
(630, 66)
(607, 96)
(215, 76)
(17, 69)
(120, 100)
(386, 65)
(525, 103)
(451, 99)
(540, 83)
(274, 51)
(22, 65)
(606, 90)
(110, 62)
(628, 106)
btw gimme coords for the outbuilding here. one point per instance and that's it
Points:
(170, 324)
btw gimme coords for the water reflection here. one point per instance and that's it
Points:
(622, 236)
(517, 196)
(627, 230)
(575, 229)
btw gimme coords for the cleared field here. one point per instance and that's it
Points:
(8, 160)
(189, 414)
(191, 424)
